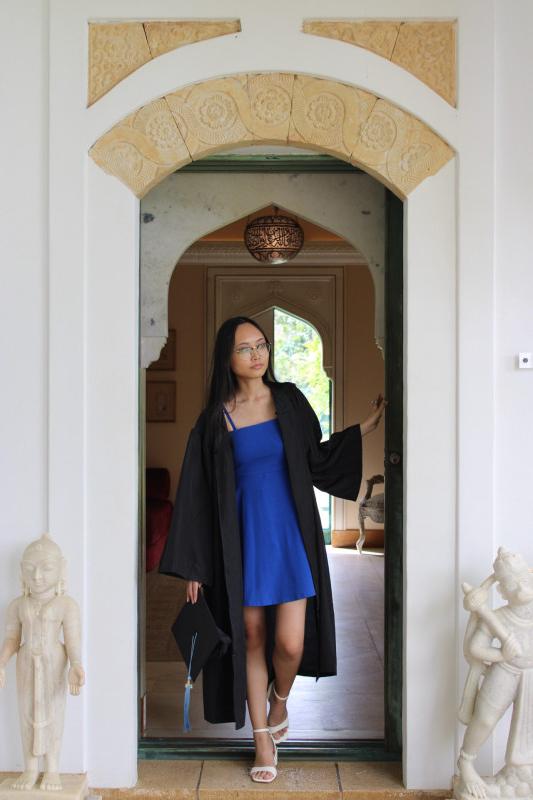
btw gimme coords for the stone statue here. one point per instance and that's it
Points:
(34, 623)
(506, 675)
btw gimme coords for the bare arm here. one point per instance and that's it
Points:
(372, 421)
(72, 636)
(12, 641)
(9, 648)
(481, 648)
(72, 632)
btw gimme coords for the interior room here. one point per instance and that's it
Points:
(324, 312)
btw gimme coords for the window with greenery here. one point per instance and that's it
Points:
(298, 358)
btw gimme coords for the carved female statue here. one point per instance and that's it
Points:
(34, 623)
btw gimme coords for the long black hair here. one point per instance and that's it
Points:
(222, 382)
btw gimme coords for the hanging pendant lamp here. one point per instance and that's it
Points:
(274, 239)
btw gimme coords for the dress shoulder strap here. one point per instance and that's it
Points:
(230, 419)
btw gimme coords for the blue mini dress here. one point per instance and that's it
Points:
(274, 562)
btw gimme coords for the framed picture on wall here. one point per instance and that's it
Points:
(167, 359)
(161, 401)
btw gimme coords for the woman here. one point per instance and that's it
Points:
(246, 529)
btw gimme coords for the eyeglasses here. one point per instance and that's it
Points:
(246, 352)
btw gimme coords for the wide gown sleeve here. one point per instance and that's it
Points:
(188, 550)
(336, 464)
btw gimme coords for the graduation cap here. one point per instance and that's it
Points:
(199, 640)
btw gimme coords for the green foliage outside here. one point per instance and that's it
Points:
(298, 358)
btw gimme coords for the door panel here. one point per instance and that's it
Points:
(394, 474)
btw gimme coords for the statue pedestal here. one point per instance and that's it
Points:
(508, 782)
(74, 788)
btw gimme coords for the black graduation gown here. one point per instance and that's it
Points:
(204, 542)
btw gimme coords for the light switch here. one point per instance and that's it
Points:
(525, 361)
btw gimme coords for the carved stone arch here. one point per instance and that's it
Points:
(220, 114)
(277, 108)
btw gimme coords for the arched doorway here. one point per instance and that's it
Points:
(109, 291)
(233, 286)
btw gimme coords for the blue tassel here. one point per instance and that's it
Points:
(188, 687)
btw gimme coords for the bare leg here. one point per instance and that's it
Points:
(256, 684)
(482, 723)
(287, 655)
(27, 779)
(51, 780)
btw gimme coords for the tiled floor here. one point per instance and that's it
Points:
(297, 780)
(347, 706)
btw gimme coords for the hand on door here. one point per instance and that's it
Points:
(372, 421)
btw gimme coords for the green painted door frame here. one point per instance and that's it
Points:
(394, 474)
(389, 748)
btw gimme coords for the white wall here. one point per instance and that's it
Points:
(513, 330)
(24, 325)
(59, 461)
(429, 427)
(514, 276)
(475, 312)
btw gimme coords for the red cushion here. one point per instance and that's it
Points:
(157, 483)
(158, 517)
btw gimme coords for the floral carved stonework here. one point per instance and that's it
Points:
(115, 51)
(425, 49)
(277, 108)
(166, 36)
(233, 110)
(398, 149)
(375, 35)
(210, 116)
(328, 114)
(143, 148)
(118, 49)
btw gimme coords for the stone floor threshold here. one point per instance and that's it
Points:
(296, 780)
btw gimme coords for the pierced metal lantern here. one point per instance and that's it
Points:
(274, 239)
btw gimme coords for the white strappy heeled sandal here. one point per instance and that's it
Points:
(285, 724)
(268, 767)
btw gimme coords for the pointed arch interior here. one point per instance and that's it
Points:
(353, 209)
